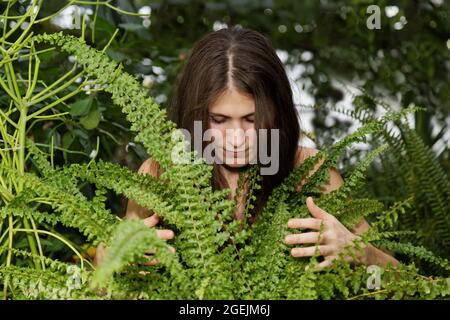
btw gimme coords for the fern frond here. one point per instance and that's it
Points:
(131, 239)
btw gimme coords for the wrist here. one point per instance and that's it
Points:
(364, 252)
(374, 256)
(368, 254)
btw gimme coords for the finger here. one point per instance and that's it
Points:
(316, 211)
(152, 251)
(152, 220)
(165, 234)
(299, 238)
(306, 223)
(322, 265)
(152, 262)
(324, 250)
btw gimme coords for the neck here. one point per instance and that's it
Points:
(230, 173)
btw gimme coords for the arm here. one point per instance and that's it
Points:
(135, 211)
(336, 235)
(372, 255)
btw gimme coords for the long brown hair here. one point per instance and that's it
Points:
(247, 58)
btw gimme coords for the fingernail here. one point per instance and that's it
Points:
(286, 239)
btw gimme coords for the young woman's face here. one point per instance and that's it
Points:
(232, 119)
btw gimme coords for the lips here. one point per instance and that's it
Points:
(236, 152)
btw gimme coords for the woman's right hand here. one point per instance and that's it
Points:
(135, 211)
(152, 221)
(165, 234)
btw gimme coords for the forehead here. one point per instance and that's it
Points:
(233, 104)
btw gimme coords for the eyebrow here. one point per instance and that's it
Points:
(222, 115)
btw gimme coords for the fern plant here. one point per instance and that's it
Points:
(216, 258)
(409, 170)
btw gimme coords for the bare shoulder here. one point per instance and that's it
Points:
(133, 210)
(151, 167)
(335, 180)
(303, 153)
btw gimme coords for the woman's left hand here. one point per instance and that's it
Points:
(334, 239)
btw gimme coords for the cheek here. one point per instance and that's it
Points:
(251, 135)
(217, 134)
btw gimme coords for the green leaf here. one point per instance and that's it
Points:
(81, 107)
(92, 120)
(67, 139)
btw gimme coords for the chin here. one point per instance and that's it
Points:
(235, 165)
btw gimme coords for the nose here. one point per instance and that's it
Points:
(235, 138)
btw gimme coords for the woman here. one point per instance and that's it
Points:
(234, 83)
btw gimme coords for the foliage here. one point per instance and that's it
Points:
(215, 258)
(409, 170)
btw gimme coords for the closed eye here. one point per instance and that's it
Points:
(221, 119)
(216, 120)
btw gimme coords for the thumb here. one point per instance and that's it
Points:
(152, 220)
(315, 211)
